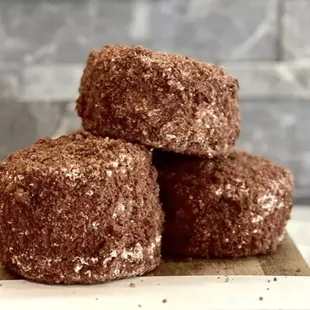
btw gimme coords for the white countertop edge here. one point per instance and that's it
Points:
(190, 292)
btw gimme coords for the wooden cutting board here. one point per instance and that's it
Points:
(285, 261)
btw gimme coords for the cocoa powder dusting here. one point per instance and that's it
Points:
(165, 101)
(79, 209)
(225, 207)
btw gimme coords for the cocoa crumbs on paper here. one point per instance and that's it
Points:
(164, 300)
(275, 279)
(132, 285)
(260, 298)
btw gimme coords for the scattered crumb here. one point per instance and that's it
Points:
(141, 280)
(275, 279)
(0, 284)
(260, 298)
(227, 279)
(73, 292)
(268, 281)
(96, 298)
(218, 277)
(132, 285)
(139, 306)
(164, 300)
(158, 284)
(267, 288)
(285, 277)
(298, 270)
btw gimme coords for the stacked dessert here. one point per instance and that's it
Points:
(85, 208)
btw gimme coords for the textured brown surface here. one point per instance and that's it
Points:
(161, 100)
(285, 261)
(227, 207)
(79, 209)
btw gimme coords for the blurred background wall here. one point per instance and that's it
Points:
(264, 43)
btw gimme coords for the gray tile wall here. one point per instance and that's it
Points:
(264, 43)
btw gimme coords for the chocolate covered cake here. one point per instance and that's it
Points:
(226, 207)
(165, 101)
(79, 209)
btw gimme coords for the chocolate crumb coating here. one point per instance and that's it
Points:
(80, 209)
(165, 101)
(225, 207)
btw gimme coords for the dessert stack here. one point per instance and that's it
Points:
(153, 171)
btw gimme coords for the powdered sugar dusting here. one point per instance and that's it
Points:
(73, 173)
(269, 202)
(116, 260)
(219, 191)
(135, 253)
(78, 267)
(257, 219)
(158, 239)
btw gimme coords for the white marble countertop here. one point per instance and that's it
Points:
(167, 293)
